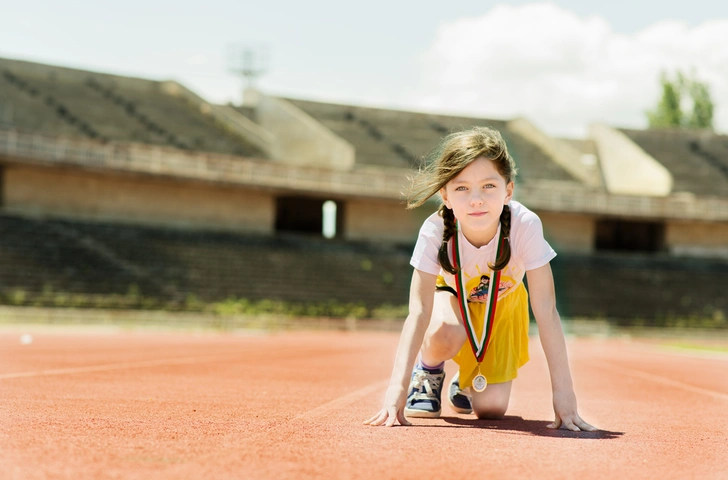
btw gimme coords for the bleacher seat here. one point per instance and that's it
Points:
(697, 160)
(391, 138)
(169, 265)
(74, 103)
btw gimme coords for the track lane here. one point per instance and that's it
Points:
(291, 406)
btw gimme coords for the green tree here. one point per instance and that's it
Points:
(685, 103)
(668, 112)
(702, 115)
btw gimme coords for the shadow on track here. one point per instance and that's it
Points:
(518, 426)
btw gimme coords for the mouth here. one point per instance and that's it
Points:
(477, 214)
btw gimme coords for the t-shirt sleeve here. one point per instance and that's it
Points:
(424, 257)
(532, 247)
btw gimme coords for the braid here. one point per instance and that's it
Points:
(505, 253)
(450, 230)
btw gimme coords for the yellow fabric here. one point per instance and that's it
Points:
(508, 347)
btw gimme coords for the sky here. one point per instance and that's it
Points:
(563, 65)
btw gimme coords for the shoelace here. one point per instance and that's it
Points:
(426, 384)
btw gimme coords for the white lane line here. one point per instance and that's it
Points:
(663, 380)
(344, 401)
(115, 366)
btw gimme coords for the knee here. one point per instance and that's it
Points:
(490, 412)
(447, 338)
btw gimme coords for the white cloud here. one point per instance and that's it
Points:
(563, 71)
(198, 59)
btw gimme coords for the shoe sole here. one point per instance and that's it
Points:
(421, 413)
(458, 409)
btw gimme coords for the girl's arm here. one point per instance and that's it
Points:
(543, 303)
(422, 294)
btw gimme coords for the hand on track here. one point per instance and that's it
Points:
(566, 415)
(393, 409)
(387, 417)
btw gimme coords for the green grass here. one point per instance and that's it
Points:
(133, 299)
(697, 347)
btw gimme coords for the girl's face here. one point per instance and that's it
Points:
(476, 197)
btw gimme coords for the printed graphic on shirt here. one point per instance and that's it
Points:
(478, 287)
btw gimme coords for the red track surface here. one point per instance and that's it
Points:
(290, 405)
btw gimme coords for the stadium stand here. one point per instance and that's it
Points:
(39, 255)
(66, 102)
(169, 265)
(249, 112)
(42, 253)
(392, 138)
(647, 287)
(697, 160)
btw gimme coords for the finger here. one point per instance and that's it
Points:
(585, 426)
(377, 419)
(556, 424)
(371, 419)
(402, 419)
(569, 425)
(391, 417)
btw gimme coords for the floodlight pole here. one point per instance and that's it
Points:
(249, 63)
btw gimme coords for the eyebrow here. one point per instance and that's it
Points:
(487, 179)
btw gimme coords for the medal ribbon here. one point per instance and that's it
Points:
(480, 345)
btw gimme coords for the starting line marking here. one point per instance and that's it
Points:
(115, 366)
(663, 380)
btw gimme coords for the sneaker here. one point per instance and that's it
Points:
(459, 399)
(423, 400)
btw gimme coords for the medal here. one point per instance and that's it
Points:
(479, 383)
(478, 345)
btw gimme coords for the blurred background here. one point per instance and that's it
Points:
(230, 158)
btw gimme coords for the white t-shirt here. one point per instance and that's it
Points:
(529, 250)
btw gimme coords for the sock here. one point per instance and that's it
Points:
(431, 369)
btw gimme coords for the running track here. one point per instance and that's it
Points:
(98, 404)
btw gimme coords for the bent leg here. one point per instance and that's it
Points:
(493, 402)
(445, 334)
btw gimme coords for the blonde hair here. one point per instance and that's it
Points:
(457, 151)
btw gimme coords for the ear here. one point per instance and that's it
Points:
(443, 195)
(509, 192)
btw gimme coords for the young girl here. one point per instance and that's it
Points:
(467, 297)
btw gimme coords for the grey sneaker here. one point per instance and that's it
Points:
(423, 400)
(459, 399)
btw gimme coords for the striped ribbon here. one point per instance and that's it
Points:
(480, 345)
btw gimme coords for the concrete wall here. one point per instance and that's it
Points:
(369, 220)
(700, 239)
(162, 202)
(141, 200)
(627, 169)
(384, 221)
(576, 233)
(560, 152)
(301, 140)
(569, 232)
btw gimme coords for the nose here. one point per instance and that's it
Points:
(476, 199)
